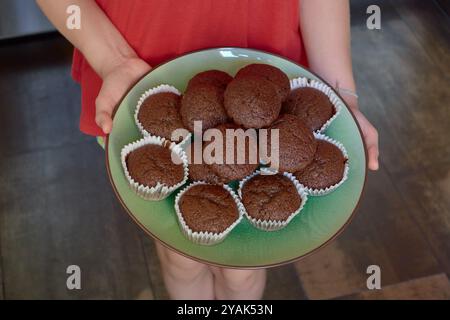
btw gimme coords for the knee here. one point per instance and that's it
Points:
(180, 267)
(239, 280)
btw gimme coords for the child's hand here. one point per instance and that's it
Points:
(370, 137)
(116, 81)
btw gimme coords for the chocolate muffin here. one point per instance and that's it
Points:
(326, 169)
(270, 197)
(297, 144)
(203, 102)
(151, 164)
(245, 153)
(216, 78)
(252, 101)
(204, 172)
(159, 114)
(271, 73)
(311, 105)
(208, 208)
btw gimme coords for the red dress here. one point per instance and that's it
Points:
(159, 30)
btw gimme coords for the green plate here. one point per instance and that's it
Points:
(322, 218)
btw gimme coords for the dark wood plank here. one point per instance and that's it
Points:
(330, 273)
(440, 175)
(40, 101)
(444, 5)
(430, 25)
(435, 287)
(57, 210)
(383, 234)
(402, 91)
(428, 204)
(283, 284)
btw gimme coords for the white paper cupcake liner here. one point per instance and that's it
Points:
(206, 238)
(160, 191)
(322, 192)
(334, 99)
(145, 95)
(273, 225)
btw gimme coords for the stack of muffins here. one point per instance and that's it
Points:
(259, 97)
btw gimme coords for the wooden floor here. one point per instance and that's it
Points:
(57, 207)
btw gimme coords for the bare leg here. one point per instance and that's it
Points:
(185, 278)
(236, 284)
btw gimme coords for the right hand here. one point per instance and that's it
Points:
(370, 137)
(117, 79)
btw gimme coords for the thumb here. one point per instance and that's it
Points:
(103, 108)
(373, 157)
(104, 121)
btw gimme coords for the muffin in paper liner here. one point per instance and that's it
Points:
(301, 82)
(145, 95)
(160, 191)
(207, 238)
(322, 192)
(274, 225)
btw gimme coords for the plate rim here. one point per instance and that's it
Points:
(215, 264)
